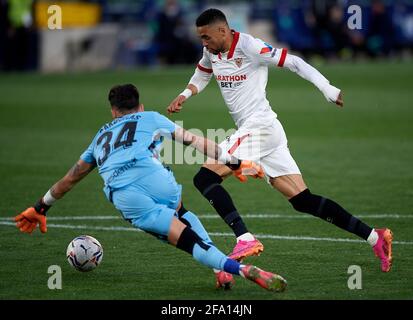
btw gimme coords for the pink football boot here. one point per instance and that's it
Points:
(245, 249)
(265, 279)
(383, 248)
(224, 280)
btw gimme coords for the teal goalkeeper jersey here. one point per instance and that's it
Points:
(125, 149)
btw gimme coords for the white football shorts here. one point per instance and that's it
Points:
(266, 146)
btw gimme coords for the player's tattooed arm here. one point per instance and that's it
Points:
(80, 170)
(206, 146)
(27, 220)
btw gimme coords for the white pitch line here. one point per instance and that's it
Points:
(68, 226)
(216, 216)
(217, 234)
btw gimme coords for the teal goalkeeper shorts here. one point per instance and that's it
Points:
(150, 203)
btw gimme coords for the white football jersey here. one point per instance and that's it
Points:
(242, 75)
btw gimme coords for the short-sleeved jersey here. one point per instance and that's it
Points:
(124, 150)
(242, 75)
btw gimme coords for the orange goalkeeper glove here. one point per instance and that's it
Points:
(248, 168)
(27, 220)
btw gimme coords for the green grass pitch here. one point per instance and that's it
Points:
(361, 156)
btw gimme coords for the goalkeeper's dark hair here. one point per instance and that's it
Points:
(210, 16)
(124, 97)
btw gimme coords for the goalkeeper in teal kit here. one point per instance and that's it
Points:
(144, 191)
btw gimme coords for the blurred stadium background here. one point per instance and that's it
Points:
(53, 89)
(105, 34)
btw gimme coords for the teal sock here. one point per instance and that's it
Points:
(210, 257)
(196, 225)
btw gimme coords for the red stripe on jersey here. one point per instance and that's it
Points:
(233, 45)
(207, 70)
(282, 59)
(219, 56)
(237, 143)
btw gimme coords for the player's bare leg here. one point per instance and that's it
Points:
(222, 170)
(295, 190)
(175, 231)
(208, 181)
(289, 185)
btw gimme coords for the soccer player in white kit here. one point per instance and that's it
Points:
(239, 63)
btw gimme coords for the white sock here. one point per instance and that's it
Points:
(246, 237)
(373, 237)
(216, 270)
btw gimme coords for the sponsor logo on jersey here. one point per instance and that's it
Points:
(122, 170)
(230, 81)
(273, 53)
(266, 49)
(237, 77)
(238, 62)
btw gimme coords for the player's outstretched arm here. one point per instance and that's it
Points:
(176, 105)
(241, 168)
(340, 99)
(80, 170)
(308, 72)
(28, 220)
(197, 83)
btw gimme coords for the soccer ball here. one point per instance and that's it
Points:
(84, 253)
